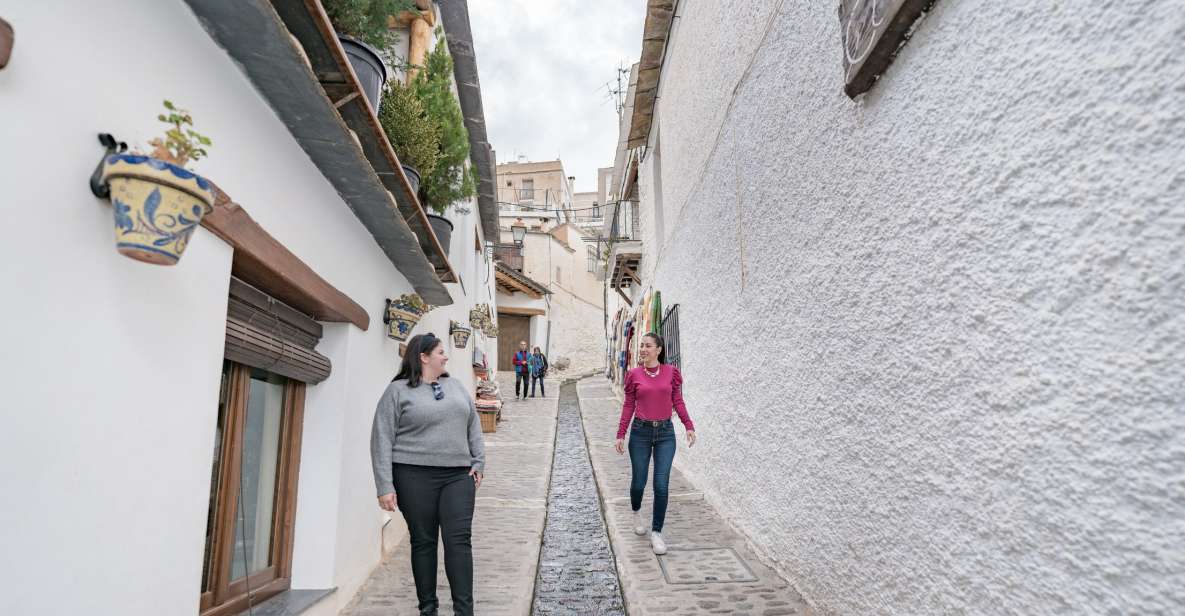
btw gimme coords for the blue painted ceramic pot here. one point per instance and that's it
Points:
(157, 206)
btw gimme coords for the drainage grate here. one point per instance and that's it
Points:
(704, 566)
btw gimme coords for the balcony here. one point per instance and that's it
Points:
(624, 258)
(509, 254)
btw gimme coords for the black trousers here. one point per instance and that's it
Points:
(539, 380)
(525, 379)
(439, 500)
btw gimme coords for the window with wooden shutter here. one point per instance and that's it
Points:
(262, 332)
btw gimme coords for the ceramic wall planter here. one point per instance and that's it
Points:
(460, 334)
(157, 206)
(402, 315)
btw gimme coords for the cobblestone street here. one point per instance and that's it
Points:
(554, 553)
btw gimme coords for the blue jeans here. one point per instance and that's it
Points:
(645, 438)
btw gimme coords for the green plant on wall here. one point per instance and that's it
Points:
(451, 180)
(181, 144)
(366, 20)
(414, 136)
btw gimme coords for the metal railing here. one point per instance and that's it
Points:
(670, 336)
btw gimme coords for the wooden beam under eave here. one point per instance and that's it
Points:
(623, 296)
(264, 262)
(510, 281)
(526, 312)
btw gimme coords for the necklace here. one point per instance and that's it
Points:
(654, 374)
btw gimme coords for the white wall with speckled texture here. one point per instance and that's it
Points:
(934, 340)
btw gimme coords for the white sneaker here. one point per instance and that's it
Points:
(640, 525)
(656, 542)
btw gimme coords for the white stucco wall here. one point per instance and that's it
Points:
(113, 375)
(933, 339)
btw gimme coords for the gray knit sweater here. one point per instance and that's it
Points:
(413, 427)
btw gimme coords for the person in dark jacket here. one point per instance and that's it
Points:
(537, 363)
(522, 373)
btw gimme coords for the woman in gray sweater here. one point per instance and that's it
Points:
(428, 456)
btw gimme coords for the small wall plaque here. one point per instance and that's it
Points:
(873, 31)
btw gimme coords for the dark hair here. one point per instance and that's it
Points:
(410, 368)
(662, 355)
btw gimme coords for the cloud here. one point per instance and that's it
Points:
(543, 66)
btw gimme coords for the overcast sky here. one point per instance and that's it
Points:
(543, 65)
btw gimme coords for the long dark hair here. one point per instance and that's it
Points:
(662, 355)
(410, 369)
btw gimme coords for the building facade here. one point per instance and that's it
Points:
(180, 439)
(930, 336)
(535, 186)
(558, 253)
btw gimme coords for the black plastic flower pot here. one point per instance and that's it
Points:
(413, 178)
(368, 66)
(443, 228)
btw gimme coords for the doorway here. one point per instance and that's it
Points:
(512, 328)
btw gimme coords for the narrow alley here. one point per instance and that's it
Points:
(882, 301)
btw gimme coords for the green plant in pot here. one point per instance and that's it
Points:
(366, 38)
(156, 201)
(452, 179)
(413, 135)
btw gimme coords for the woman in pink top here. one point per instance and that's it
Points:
(651, 391)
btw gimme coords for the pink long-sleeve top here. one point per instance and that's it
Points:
(652, 398)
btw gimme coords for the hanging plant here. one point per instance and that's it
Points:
(452, 179)
(157, 202)
(402, 315)
(460, 334)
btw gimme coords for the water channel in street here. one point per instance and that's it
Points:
(577, 571)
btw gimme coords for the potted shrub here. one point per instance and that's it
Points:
(460, 334)
(413, 135)
(452, 179)
(156, 201)
(361, 26)
(402, 315)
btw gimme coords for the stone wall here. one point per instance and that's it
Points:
(934, 339)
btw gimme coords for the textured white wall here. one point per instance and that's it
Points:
(939, 366)
(577, 332)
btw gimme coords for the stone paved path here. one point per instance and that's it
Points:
(577, 575)
(507, 524)
(707, 563)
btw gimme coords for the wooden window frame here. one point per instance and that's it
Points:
(223, 597)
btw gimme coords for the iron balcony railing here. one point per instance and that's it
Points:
(509, 254)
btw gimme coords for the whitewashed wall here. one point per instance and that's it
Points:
(113, 371)
(933, 339)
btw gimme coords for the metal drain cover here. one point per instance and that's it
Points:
(704, 566)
